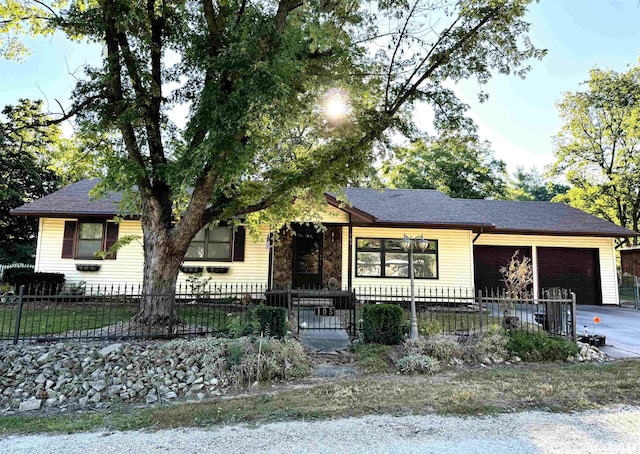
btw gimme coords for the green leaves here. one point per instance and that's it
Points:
(24, 174)
(597, 147)
(458, 166)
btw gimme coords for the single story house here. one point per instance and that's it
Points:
(468, 241)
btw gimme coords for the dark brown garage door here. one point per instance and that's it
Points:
(571, 268)
(487, 263)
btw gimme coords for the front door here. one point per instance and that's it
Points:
(307, 257)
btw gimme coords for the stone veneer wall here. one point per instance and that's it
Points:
(332, 258)
(283, 261)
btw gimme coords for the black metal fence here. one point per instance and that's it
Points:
(460, 311)
(109, 312)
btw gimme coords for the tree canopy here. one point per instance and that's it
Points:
(254, 75)
(597, 147)
(24, 176)
(533, 186)
(458, 166)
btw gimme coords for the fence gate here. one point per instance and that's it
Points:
(311, 309)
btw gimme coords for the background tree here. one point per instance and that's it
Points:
(531, 185)
(458, 166)
(598, 146)
(254, 74)
(24, 176)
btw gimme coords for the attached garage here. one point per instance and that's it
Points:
(487, 263)
(576, 269)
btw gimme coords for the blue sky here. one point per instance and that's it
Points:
(519, 119)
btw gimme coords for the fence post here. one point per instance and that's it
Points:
(481, 312)
(352, 297)
(636, 292)
(574, 319)
(16, 334)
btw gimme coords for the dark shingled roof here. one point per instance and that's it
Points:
(72, 201)
(421, 207)
(544, 218)
(414, 206)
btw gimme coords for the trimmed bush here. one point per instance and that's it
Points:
(9, 273)
(271, 320)
(540, 346)
(382, 324)
(38, 283)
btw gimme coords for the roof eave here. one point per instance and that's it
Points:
(566, 233)
(76, 214)
(353, 211)
(435, 225)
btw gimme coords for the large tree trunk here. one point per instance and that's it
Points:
(165, 245)
(163, 256)
(161, 267)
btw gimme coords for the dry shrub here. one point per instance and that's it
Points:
(234, 362)
(441, 346)
(492, 344)
(418, 363)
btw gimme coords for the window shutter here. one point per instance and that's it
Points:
(238, 244)
(110, 238)
(69, 239)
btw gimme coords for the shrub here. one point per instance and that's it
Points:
(373, 358)
(442, 347)
(239, 326)
(38, 283)
(429, 327)
(271, 320)
(540, 346)
(492, 344)
(418, 363)
(7, 277)
(382, 324)
(235, 361)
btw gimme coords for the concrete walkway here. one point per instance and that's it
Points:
(621, 326)
(322, 333)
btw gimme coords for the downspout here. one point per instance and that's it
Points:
(477, 236)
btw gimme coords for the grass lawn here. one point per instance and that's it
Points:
(55, 319)
(505, 389)
(59, 319)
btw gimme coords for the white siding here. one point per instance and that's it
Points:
(127, 267)
(455, 257)
(328, 215)
(605, 246)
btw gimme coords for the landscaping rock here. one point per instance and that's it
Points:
(109, 349)
(93, 374)
(29, 405)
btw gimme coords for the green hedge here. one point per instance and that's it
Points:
(540, 346)
(9, 273)
(383, 324)
(271, 320)
(37, 283)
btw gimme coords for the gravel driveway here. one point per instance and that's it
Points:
(615, 430)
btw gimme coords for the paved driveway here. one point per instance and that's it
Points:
(621, 326)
